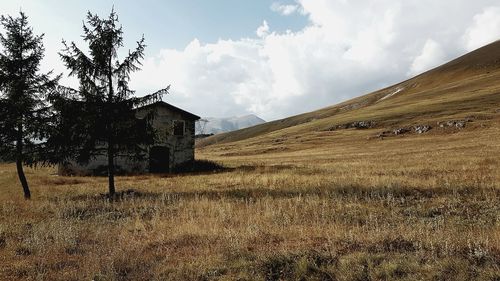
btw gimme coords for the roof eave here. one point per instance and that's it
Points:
(190, 115)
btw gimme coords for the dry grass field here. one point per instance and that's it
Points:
(299, 198)
(330, 206)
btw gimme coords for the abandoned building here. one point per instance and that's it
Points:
(175, 145)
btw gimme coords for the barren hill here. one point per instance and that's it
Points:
(464, 89)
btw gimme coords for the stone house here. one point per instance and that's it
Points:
(174, 147)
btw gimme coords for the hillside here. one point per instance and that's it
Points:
(467, 86)
(221, 125)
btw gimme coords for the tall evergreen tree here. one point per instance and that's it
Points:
(99, 118)
(24, 113)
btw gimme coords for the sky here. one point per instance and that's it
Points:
(272, 58)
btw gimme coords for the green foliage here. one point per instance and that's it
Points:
(98, 118)
(24, 114)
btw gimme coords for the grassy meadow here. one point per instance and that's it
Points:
(320, 206)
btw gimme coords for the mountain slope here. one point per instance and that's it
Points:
(221, 125)
(468, 85)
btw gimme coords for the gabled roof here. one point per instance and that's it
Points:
(184, 113)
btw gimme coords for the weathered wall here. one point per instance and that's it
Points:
(181, 148)
(98, 166)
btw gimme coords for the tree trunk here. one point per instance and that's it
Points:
(111, 155)
(19, 163)
(22, 179)
(111, 171)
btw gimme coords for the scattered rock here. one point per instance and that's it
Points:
(459, 124)
(355, 125)
(420, 129)
(400, 131)
(362, 124)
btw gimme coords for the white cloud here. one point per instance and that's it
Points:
(263, 30)
(348, 48)
(485, 29)
(432, 55)
(220, 79)
(285, 10)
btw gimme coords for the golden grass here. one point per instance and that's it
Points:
(321, 206)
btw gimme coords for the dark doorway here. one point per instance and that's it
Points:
(158, 159)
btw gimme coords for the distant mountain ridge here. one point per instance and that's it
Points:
(222, 125)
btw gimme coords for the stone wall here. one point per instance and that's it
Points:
(181, 148)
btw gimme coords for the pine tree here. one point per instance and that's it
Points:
(99, 117)
(24, 113)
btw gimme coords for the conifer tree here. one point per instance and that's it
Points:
(98, 118)
(24, 112)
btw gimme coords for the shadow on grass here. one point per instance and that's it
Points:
(199, 166)
(357, 192)
(207, 167)
(360, 193)
(129, 194)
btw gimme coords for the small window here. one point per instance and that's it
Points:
(178, 128)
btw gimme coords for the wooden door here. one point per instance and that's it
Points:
(159, 159)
